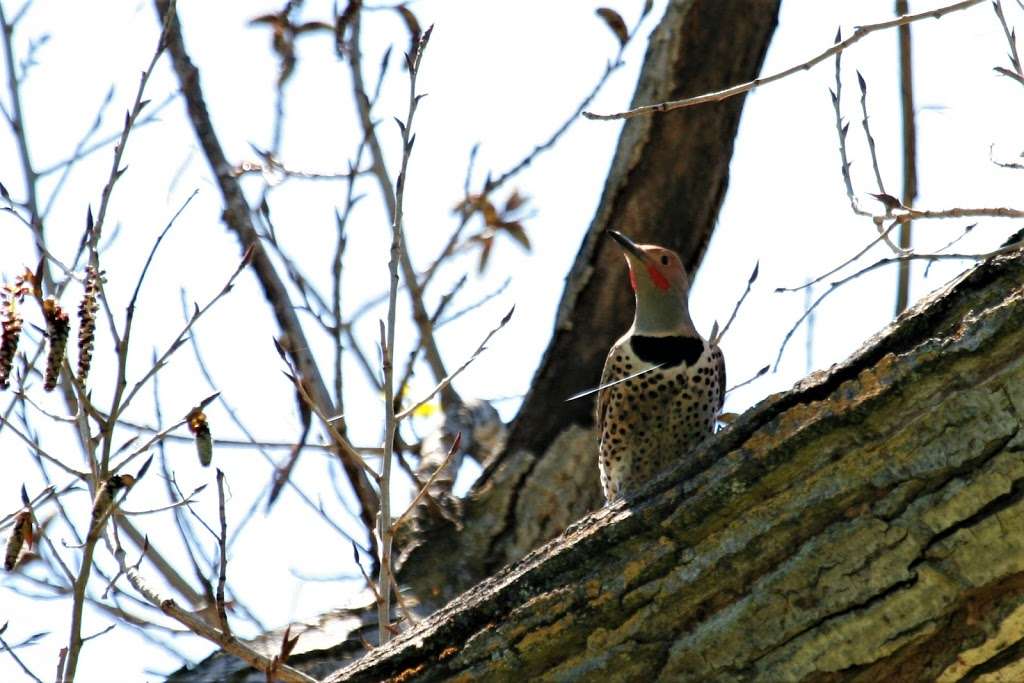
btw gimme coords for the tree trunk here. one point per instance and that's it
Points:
(665, 185)
(866, 526)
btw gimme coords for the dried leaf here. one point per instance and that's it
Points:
(518, 233)
(515, 201)
(486, 243)
(272, 19)
(313, 26)
(887, 200)
(615, 23)
(413, 25)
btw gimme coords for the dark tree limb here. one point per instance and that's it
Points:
(666, 184)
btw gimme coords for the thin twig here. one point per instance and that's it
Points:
(75, 640)
(1011, 40)
(859, 33)
(199, 627)
(490, 296)
(380, 172)
(884, 262)
(198, 313)
(908, 214)
(456, 443)
(348, 451)
(760, 373)
(613, 65)
(83, 149)
(251, 442)
(414, 354)
(715, 338)
(388, 339)
(909, 154)
(14, 656)
(867, 127)
(949, 244)
(16, 119)
(237, 217)
(842, 129)
(222, 542)
(448, 380)
(39, 451)
(811, 283)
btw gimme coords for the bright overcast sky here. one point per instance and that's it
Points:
(503, 74)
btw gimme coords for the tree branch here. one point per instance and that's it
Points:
(859, 33)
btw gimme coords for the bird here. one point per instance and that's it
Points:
(663, 384)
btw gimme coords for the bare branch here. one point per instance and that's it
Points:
(387, 338)
(456, 444)
(222, 543)
(238, 219)
(885, 262)
(859, 33)
(196, 625)
(448, 380)
(909, 154)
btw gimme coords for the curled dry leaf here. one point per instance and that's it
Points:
(21, 534)
(413, 25)
(506, 220)
(615, 23)
(888, 201)
(515, 201)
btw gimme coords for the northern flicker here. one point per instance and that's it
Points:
(663, 384)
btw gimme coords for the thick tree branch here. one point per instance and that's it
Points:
(864, 526)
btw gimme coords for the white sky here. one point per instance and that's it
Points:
(502, 74)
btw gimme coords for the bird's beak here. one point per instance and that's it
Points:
(628, 245)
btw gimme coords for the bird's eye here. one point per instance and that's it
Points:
(664, 260)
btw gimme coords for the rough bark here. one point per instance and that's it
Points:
(665, 185)
(865, 526)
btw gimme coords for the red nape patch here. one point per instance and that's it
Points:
(657, 278)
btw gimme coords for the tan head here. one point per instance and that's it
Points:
(661, 286)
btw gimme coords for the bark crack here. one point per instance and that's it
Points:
(992, 508)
